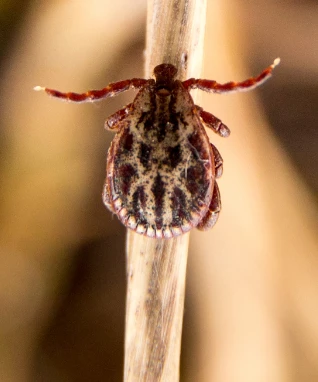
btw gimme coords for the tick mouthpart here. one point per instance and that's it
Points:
(165, 75)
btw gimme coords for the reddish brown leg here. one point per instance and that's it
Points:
(215, 87)
(211, 217)
(112, 122)
(213, 123)
(95, 95)
(106, 197)
(218, 161)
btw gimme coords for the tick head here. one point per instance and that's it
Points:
(165, 76)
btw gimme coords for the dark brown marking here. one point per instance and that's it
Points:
(192, 174)
(162, 128)
(196, 146)
(138, 204)
(175, 156)
(148, 123)
(127, 142)
(180, 210)
(142, 197)
(196, 181)
(126, 173)
(144, 155)
(158, 190)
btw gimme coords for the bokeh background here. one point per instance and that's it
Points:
(252, 295)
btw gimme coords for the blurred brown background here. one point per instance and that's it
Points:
(252, 304)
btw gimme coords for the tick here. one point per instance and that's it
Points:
(161, 167)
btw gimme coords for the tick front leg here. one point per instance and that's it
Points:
(213, 123)
(211, 217)
(95, 95)
(112, 122)
(215, 87)
(218, 161)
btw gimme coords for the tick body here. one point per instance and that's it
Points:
(161, 167)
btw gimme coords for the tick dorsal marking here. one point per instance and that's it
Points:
(161, 167)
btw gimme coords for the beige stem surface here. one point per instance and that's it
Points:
(157, 267)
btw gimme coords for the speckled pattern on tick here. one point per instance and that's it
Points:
(161, 167)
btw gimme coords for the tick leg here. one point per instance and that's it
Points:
(215, 87)
(112, 122)
(110, 90)
(218, 161)
(106, 197)
(211, 217)
(213, 123)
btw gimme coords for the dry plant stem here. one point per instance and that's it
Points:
(156, 283)
(156, 268)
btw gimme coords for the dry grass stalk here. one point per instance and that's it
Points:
(156, 268)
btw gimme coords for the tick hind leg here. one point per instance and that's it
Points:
(213, 123)
(106, 196)
(218, 161)
(112, 122)
(211, 217)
